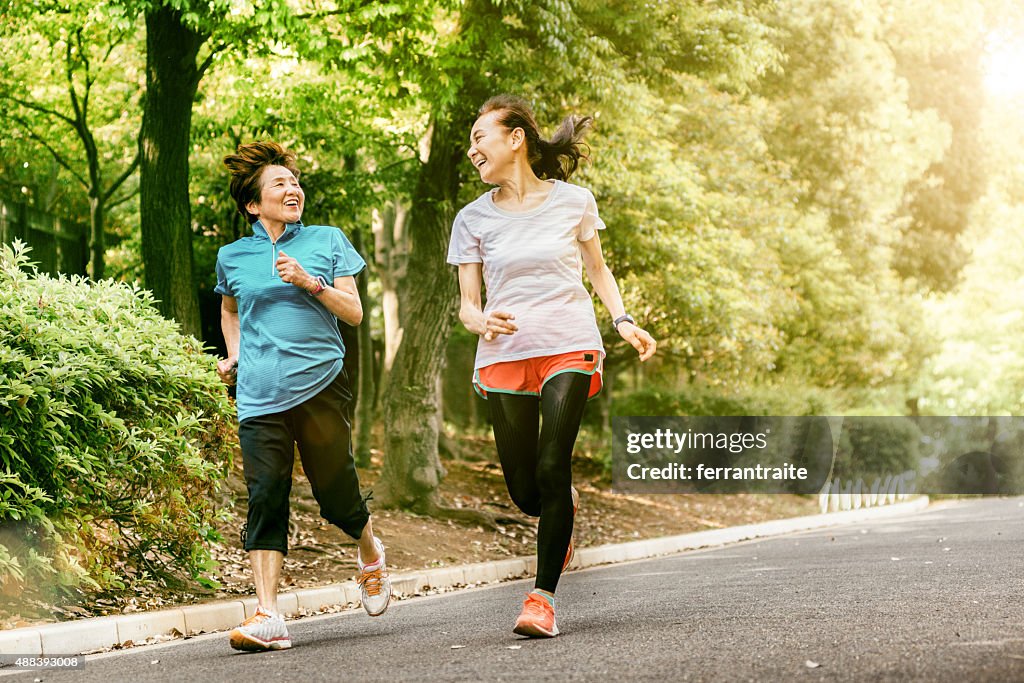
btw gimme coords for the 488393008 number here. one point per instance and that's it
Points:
(31, 662)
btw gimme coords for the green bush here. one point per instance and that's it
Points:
(114, 434)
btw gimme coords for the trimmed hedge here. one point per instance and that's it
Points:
(114, 434)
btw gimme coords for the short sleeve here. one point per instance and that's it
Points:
(591, 222)
(464, 246)
(344, 257)
(223, 286)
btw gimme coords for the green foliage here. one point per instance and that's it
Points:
(702, 399)
(945, 75)
(694, 211)
(114, 435)
(778, 177)
(854, 145)
(979, 368)
(76, 124)
(877, 447)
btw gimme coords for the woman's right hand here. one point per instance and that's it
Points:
(227, 370)
(499, 322)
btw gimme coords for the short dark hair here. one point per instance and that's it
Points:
(558, 157)
(246, 167)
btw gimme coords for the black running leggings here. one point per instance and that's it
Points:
(538, 470)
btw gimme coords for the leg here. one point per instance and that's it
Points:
(268, 452)
(266, 570)
(516, 419)
(563, 399)
(323, 430)
(368, 552)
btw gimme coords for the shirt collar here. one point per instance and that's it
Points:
(260, 232)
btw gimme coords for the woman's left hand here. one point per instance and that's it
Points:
(290, 271)
(639, 339)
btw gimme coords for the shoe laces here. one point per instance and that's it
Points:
(258, 618)
(373, 581)
(537, 606)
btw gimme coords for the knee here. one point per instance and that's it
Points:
(553, 475)
(269, 494)
(349, 516)
(526, 499)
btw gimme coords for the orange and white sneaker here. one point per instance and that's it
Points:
(374, 583)
(260, 632)
(537, 620)
(571, 552)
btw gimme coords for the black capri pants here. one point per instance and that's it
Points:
(322, 428)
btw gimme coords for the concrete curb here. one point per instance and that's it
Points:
(103, 632)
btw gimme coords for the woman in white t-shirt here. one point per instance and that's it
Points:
(540, 352)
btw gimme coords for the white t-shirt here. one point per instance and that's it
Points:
(532, 268)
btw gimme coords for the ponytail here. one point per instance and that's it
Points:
(557, 158)
(560, 156)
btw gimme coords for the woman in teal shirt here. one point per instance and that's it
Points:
(282, 288)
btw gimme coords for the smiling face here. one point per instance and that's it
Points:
(281, 197)
(493, 147)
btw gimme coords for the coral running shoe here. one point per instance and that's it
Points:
(571, 552)
(537, 620)
(260, 632)
(374, 584)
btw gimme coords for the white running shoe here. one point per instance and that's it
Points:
(262, 631)
(375, 584)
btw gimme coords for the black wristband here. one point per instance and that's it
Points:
(627, 318)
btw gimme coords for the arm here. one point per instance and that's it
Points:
(608, 291)
(471, 310)
(342, 299)
(230, 327)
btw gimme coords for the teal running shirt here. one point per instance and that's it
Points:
(290, 347)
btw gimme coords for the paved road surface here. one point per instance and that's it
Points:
(938, 596)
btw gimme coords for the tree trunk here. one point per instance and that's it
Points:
(391, 255)
(172, 79)
(364, 405)
(428, 298)
(97, 239)
(427, 303)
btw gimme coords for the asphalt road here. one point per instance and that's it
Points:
(932, 597)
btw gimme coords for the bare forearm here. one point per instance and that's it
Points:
(471, 311)
(345, 306)
(340, 296)
(230, 327)
(608, 291)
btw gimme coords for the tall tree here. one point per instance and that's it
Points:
(83, 87)
(428, 294)
(183, 40)
(172, 79)
(564, 56)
